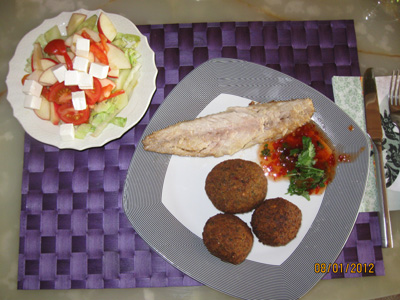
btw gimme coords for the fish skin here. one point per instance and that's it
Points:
(228, 132)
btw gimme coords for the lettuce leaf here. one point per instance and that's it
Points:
(128, 43)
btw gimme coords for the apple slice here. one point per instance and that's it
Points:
(48, 63)
(91, 57)
(105, 82)
(44, 111)
(37, 55)
(54, 118)
(117, 59)
(113, 73)
(72, 43)
(93, 34)
(61, 58)
(75, 37)
(75, 20)
(35, 75)
(71, 40)
(68, 41)
(106, 27)
(47, 78)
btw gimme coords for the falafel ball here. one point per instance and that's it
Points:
(236, 186)
(276, 221)
(227, 237)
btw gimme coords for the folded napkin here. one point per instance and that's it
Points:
(349, 96)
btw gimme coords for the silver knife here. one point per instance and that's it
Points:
(374, 130)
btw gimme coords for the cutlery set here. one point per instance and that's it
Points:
(374, 130)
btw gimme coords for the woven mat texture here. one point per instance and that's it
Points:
(73, 230)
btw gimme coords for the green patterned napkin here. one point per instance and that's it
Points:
(349, 97)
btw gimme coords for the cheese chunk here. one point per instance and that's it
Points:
(85, 81)
(82, 47)
(67, 132)
(79, 100)
(81, 64)
(98, 70)
(32, 87)
(32, 102)
(71, 77)
(59, 72)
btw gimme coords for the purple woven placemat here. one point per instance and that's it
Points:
(73, 230)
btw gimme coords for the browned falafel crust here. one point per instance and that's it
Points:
(236, 186)
(276, 221)
(227, 237)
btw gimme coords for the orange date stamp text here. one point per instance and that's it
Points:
(345, 268)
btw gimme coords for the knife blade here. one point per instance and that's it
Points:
(374, 130)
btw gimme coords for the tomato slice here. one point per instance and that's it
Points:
(60, 94)
(57, 46)
(46, 92)
(93, 95)
(68, 114)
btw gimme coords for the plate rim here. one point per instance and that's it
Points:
(136, 210)
(52, 138)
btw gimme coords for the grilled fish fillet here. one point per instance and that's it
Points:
(235, 129)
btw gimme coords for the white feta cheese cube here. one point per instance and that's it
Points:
(71, 77)
(85, 81)
(81, 64)
(32, 87)
(79, 100)
(67, 132)
(59, 72)
(82, 47)
(98, 70)
(32, 102)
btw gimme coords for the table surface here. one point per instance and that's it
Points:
(377, 28)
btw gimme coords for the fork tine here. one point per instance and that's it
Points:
(394, 89)
(391, 89)
(397, 88)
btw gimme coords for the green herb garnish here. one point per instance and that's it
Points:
(265, 151)
(304, 177)
(294, 152)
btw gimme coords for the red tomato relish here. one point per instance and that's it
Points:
(279, 157)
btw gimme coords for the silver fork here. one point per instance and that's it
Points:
(394, 99)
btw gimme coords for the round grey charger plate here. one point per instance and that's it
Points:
(183, 249)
